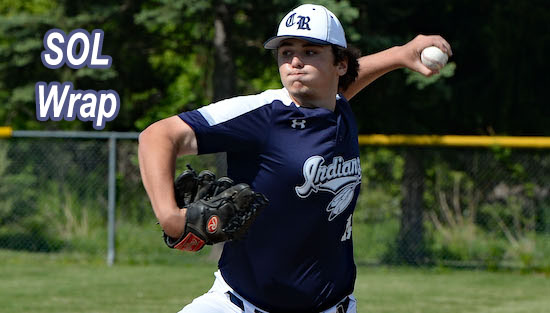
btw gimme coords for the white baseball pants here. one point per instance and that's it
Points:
(223, 299)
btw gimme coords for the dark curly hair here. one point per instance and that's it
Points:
(351, 54)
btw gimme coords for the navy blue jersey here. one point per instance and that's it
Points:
(298, 254)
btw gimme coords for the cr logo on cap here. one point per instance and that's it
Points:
(303, 21)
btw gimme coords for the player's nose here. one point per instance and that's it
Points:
(296, 62)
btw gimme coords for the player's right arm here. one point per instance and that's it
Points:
(373, 66)
(159, 146)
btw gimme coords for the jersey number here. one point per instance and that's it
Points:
(347, 232)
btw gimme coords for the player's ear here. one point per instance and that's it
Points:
(342, 67)
(340, 60)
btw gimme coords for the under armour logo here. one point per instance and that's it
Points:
(301, 123)
(303, 21)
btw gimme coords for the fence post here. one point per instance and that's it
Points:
(111, 201)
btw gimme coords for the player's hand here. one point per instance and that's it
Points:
(173, 221)
(217, 210)
(410, 52)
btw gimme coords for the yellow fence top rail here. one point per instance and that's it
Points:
(5, 131)
(456, 141)
(376, 139)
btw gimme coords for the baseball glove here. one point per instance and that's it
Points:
(217, 209)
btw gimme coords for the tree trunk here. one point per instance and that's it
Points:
(411, 248)
(223, 83)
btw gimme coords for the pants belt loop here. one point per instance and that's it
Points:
(238, 302)
(235, 300)
(342, 307)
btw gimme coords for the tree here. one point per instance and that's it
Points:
(22, 28)
(410, 240)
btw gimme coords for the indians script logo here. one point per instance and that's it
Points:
(339, 178)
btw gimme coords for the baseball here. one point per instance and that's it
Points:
(434, 58)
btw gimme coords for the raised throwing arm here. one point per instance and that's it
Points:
(373, 66)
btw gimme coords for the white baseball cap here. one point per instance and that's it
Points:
(310, 22)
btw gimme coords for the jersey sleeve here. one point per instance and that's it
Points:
(231, 125)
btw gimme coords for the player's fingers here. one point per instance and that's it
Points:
(445, 47)
(435, 40)
(424, 70)
(443, 44)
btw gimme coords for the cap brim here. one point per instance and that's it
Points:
(274, 42)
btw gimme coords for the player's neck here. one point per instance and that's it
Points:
(305, 101)
(331, 105)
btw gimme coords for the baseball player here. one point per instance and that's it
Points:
(297, 146)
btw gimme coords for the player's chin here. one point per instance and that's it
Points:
(298, 87)
(301, 91)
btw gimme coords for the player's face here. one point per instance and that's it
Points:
(308, 71)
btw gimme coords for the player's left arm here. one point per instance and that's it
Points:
(373, 66)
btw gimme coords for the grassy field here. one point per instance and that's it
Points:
(45, 283)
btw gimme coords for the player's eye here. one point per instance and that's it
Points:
(287, 53)
(311, 52)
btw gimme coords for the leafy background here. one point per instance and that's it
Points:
(488, 207)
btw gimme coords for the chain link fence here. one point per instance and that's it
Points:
(487, 207)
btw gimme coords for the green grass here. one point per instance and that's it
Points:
(450, 291)
(51, 283)
(68, 284)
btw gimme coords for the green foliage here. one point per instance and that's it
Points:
(13, 7)
(488, 210)
(186, 92)
(466, 245)
(65, 213)
(183, 56)
(374, 241)
(18, 226)
(380, 198)
(376, 217)
(421, 82)
(477, 211)
(5, 202)
(485, 211)
(163, 60)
